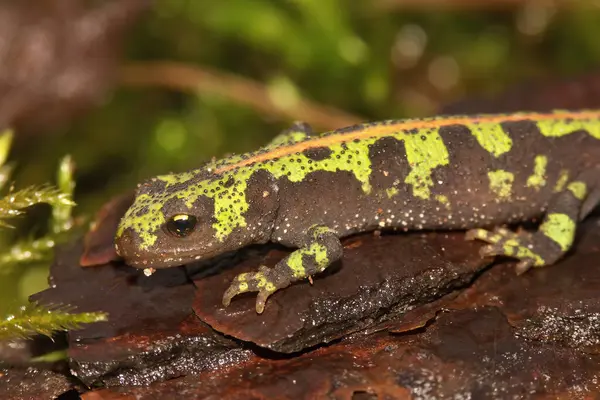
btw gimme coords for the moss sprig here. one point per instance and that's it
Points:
(35, 319)
(26, 252)
(13, 203)
(62, 210)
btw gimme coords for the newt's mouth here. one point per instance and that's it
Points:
(155, 257)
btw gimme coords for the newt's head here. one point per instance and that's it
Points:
(176, 219)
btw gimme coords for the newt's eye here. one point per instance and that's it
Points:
(181, 225)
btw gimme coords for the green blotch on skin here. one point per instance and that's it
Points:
(494, 238)
(315, 250)
(508, 250)
(560, 228)
(563, 177)
(346, 156)
(262, 282)
(501, 183)
(513, 248)
(538, 179)
(491, 137)
(579, 189)
(443, 200)
(425, 151)
(288, 137)
(173, 179)
(525, 253)
(562, 127)
(320, 230)
(391, 192)
(144, 223)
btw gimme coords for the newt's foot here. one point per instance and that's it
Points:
(503, 242)
(262, 281)
(321, 249)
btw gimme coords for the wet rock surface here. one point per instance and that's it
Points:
(33, 383)
(557, 305)
(470, 353)
(368, 286)
(151, 333)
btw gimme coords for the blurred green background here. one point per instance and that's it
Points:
(265, 63)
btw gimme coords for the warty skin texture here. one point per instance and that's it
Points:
(307, 191)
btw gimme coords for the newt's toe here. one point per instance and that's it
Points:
(524, 266)
(251, 282)
(503, 242)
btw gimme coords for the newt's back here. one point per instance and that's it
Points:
(457, 172)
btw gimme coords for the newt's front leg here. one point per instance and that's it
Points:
(322, 248)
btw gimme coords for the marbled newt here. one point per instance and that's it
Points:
(307, 191)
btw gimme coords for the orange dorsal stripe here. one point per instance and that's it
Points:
(385, 129)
